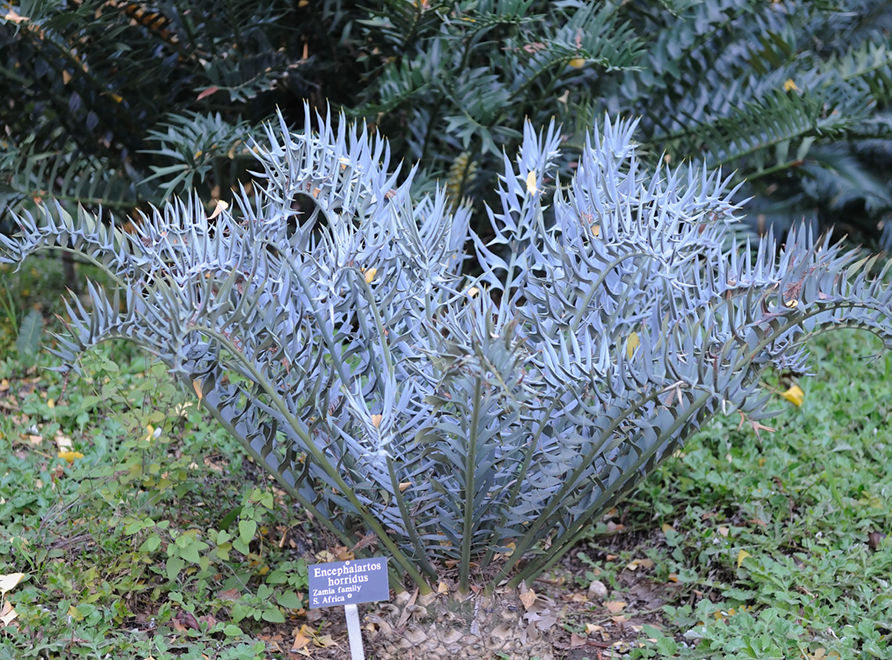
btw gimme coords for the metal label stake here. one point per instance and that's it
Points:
(355, 632)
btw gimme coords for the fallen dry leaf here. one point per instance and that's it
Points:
(13, 17)
(229, 594)
(743, 554)
(724, 531)
(576, 641)
(70, 456)
(7, 582)
(874, 539)
(219, 208)
(633, 343)
(63, 442)
(300, 641)
(615, 606)
(528, 599)
(442, 588)
(324, 641)
(188, 620)
(7, 614)
(343, 553)
(667, 528)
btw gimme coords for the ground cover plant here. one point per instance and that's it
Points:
(809, 504)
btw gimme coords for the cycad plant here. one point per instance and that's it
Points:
(475, 426)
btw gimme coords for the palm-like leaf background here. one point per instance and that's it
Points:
(122, 104)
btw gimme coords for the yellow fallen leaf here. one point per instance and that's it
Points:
(300, 641)
(221, 205)
(790, 85)
(4, 385)
(528, 599)
(592, 628)
(615, 606)
(70, 456)
(531, 183)
(577, 62)
(7, 614)
(473, 291)
(370, 274)
(667, 528)
(442, 588)
(50, 404)
(404, 485)
(596, 230)
(376, 421)
(66, 77)
(743, 554)
(324, 641)
(632, 344)
(794, 395)
(13, 17)
(7, 582)
(63, 442)
(196, 385)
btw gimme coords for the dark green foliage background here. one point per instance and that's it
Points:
(122, 104)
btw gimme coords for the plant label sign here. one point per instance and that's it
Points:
(348, 582)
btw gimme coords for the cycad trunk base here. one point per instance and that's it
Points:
(469, 424)
(435, 627)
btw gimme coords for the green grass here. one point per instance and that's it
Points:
(175, 546)
(781, 526)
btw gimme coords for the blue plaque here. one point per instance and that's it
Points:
(348, 582)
